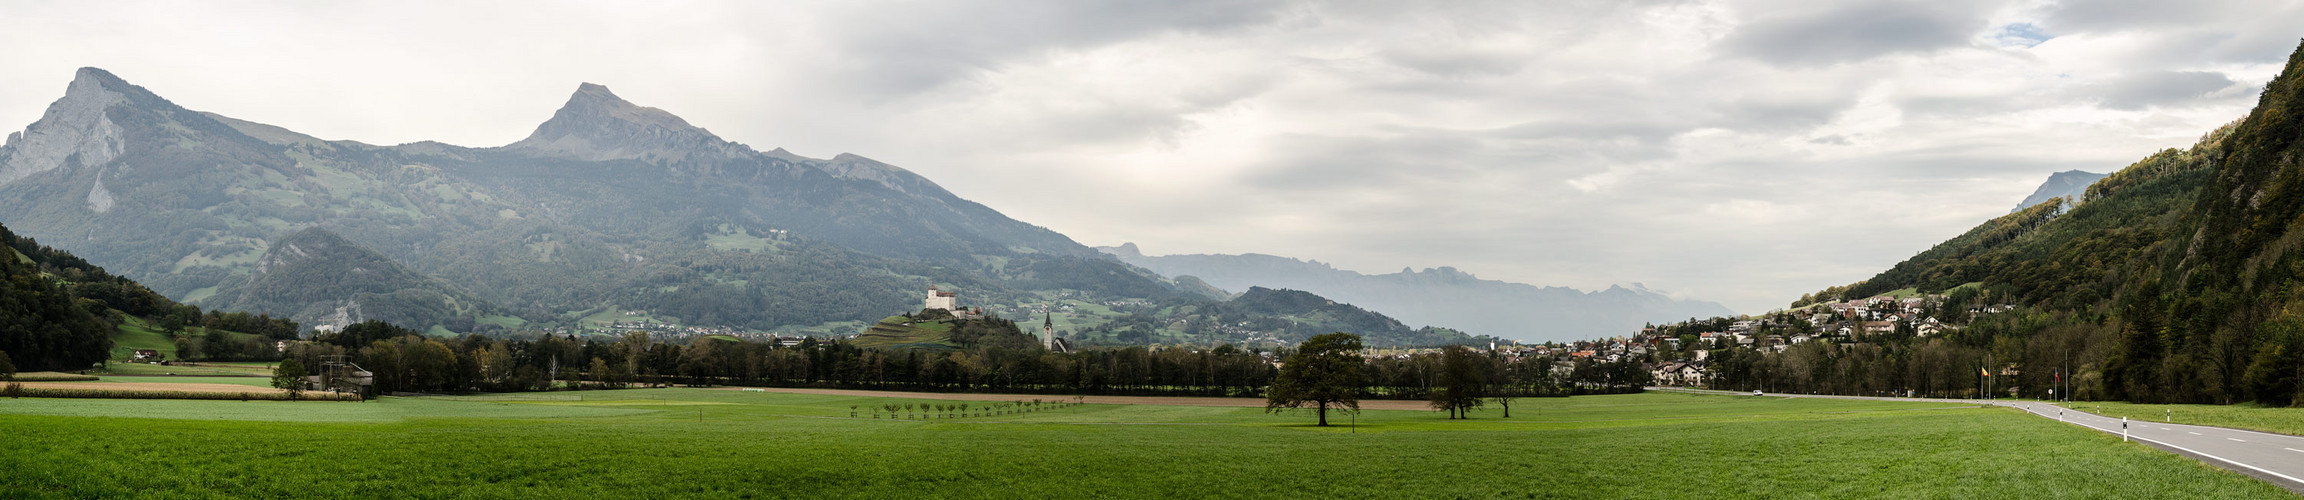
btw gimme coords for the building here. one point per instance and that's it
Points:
(1048, 335)
(949, 301)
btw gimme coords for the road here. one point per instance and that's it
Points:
(2276, 458)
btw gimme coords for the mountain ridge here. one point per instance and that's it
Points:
(1442, 296)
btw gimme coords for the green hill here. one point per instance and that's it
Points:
(936, 331)
(58, 312)
(2179, 279)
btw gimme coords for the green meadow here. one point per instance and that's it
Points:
(664, 443)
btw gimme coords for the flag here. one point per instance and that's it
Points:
(1986, 373)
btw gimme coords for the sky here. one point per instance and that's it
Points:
(1744, 152)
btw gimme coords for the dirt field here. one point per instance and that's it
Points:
(1365, 404)
(120, 386)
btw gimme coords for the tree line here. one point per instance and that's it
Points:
(403, 360)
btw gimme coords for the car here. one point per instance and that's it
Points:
(1755, 392)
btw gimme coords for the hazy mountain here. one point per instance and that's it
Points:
(1441, 297)
(2069, 184)
(607, 204)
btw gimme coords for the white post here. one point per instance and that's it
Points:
(2123, 429)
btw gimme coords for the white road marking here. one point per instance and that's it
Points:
(2294, 450)
(2238, 439)
(2193, 433)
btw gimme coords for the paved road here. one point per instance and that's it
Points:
(2276, 458)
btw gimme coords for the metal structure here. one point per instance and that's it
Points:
(338, 374)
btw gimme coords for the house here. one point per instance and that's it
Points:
(1879, 327)
(1667, 374)
(1692, 374)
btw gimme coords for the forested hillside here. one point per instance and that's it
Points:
(2177, 280)
(58, 312)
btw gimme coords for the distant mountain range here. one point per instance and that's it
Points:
(2069, 184)
(1442, 297)
(608, 209)
(607, 205)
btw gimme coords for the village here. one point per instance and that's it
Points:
(1679, 354)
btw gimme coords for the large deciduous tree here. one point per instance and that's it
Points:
(1463, 381)
(1324, 373)
(289, 376)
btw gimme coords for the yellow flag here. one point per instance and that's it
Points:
(1986, 373)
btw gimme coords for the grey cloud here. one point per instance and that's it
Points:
(915, 47)
(2112, 15)
(1842, 32)
(2160, 88)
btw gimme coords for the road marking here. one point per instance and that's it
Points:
(2193, 433)
(2238, 439)
(2294, 450)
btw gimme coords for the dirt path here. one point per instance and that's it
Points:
(152, 386)
(1365, 404)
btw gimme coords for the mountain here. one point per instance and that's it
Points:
(328, 282)
(2177, 281)
(1441, 297)
(1265, 317)
(606, 206)
(2069, 184)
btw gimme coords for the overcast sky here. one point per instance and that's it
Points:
(1743, 152)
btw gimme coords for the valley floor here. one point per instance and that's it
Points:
(663, 443)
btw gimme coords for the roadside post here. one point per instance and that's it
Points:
(2171, 417)
(2123, 429)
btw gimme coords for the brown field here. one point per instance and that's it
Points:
(1365, 404)
(146, 386)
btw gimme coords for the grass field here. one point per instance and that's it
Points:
(2249, 416)
(732, 444)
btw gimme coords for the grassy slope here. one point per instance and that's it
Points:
(892, 332)
(652, 444)
(135, 333)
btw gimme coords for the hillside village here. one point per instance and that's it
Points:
(1682, 354)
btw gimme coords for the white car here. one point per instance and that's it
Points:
(1755, 392)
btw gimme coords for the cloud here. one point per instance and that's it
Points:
(1825, 33)
(1732, 150)
(2160, 88)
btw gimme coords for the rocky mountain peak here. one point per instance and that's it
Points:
(596, 125)
(74, 125)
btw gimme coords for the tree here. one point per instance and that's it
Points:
(1463, 381)
(7, 368)
(290, 376)
(1324, 373)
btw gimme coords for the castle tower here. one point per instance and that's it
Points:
(949, 301)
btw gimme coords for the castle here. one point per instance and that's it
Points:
(949, 301)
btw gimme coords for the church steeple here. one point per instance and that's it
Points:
(1048, 330)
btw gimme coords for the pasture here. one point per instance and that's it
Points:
(660, 443)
